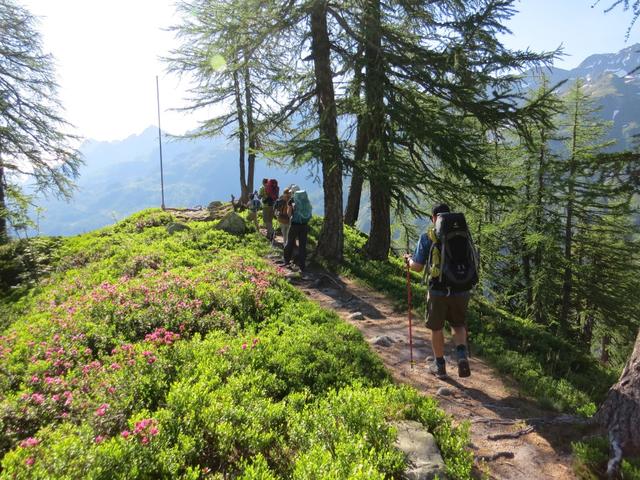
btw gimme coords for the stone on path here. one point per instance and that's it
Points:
(444, 392)
(383, 341)
(356, 316)
(424, 461)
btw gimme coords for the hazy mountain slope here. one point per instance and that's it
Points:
(609, 80)
(120, 178)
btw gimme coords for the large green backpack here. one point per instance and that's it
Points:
(302, 209)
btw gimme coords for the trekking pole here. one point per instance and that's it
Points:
(409, 302)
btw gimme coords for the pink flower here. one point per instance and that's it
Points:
(29, 461)
(125, 433)
(115, 366)
(102, 409)
(35, 379)
(153, 431)
(29, 442)
(151, 360)
(144, 440)
(99, 439)
(37, 398)
(244, 346)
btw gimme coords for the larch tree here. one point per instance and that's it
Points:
(35, 142)
(221, 48)
(435, 79)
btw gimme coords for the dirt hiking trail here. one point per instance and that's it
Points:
(505, 441)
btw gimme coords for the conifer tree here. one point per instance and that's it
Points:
(222, 49)
(34, 137)
(438, 80)
(581, 196)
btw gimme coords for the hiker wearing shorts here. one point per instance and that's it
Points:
(443, 305)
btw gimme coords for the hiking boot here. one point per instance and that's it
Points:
(438, 369)
(463, 368)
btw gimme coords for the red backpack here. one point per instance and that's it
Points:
(272, 190)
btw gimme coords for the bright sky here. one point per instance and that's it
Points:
(107, 54)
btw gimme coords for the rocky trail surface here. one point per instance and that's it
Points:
(511, 436)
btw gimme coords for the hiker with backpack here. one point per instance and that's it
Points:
(280, 211)
(446, 250)
(269, 193)
(254, 205)
(299, 210)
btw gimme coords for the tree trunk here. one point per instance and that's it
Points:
(379, 241)
(567, 282)
(4, 235)
(604, 354)
(251, 130)
(331, 239)
(526, 255)
(353, 201)
(537, 257)
(357, 178)
(620, 412)
(357, 175)
(244, 194)
(587, 330)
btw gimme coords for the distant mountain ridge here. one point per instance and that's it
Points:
(123, 177)
(611, 80)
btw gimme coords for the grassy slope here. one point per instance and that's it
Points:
(149, 355)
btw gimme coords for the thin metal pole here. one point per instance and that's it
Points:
(160, 143)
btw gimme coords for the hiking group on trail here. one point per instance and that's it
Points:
(447, 253)
(293, 212)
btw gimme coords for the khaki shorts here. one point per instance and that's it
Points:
(451, 309)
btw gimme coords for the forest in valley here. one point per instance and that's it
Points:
(414, 102)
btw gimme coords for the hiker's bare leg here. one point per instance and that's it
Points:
(460, 335)
(437, 341)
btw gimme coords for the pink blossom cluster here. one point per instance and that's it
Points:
(143, 430)
(151, 358)
(162, 336)
(156, 295)
(29, 442)
(101, 410)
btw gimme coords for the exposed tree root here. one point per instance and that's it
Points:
(502, 436)
(495, 456)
